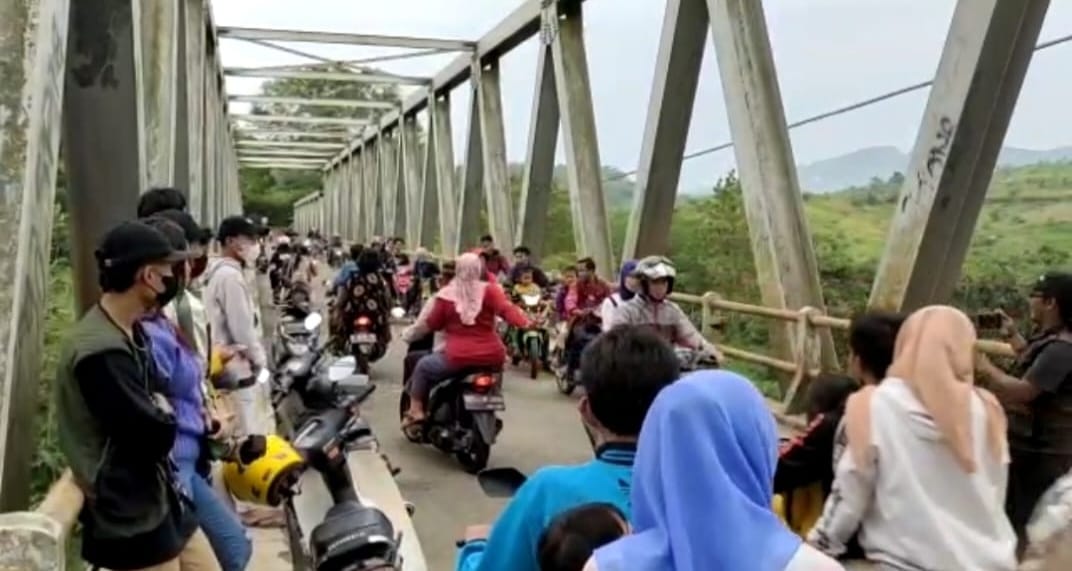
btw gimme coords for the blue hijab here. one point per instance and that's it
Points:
(627, 268)
(703, 482)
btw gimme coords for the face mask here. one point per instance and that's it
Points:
(171, 289)
(197, 266)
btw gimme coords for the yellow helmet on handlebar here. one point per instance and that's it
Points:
(265, 480)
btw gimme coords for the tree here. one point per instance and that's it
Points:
(272, 193)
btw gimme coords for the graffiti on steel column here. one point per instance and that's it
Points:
(939, 151)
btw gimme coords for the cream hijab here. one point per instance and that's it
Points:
(935, 355)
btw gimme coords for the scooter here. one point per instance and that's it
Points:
(462, 417)
(364, 344)
(532, 343)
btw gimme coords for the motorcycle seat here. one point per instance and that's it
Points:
(353, 536)
(294, 329)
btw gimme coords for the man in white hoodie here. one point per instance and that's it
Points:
(232, 314)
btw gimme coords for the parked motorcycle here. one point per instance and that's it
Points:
(531, 345)
(462, 417)
(365, 345)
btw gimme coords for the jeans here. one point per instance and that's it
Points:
(431, 370)
(221, 525)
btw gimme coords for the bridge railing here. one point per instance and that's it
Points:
(804, 363)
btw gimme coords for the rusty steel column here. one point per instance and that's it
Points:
(591, 227)
(160, 62)
(498, 199)
(673, 94)
(982, 69)
(781, 240)
(538, 177)
(101, 130)
(33, 46)
(470, 199)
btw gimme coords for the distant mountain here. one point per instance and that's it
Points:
(859, 167)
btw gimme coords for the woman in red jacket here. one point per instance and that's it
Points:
(465, 310)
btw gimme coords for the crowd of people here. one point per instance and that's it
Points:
(907, 462)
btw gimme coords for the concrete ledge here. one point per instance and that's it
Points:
(31, 541)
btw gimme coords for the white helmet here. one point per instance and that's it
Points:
(654, 268)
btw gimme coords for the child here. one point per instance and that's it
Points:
(525, 284)
(572, 537)
(805, 470)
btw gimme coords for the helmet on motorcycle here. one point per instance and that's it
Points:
(265, 480)
(654, 268)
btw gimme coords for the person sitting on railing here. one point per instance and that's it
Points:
(182, 369)
(704, 467)
(923, 479)
(628, 285)
(652, 306)
(116, 427)
(623, 372)
(1038, 396)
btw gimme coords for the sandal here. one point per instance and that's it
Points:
(409, 423)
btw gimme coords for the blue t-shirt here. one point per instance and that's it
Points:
(514, 538)
(348, 269)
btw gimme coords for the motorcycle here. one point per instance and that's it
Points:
(365, 345)
(329, 526)
(531, 344)
(293, 335)
(462, 417)
(336, 257)
(582, 330)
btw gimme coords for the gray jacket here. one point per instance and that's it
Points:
(232, 315)
(666, 317)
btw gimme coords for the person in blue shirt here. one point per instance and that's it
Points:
(622, 372)
(349, 267)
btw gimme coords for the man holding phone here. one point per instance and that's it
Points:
(1038, 395)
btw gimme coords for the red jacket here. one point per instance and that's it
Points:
(476, 345)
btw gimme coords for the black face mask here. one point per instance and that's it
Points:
(197, 266)
(171, 289)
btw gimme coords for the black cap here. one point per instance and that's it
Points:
(237, 226)
(1053, 285)
(135, 244)
(190, 230)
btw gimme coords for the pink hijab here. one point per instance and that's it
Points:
(466, 290)
(934, 355)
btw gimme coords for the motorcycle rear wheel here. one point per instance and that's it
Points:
(476, 457)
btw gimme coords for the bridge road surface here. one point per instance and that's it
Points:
(540, 427)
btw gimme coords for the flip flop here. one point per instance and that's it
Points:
(410, 422)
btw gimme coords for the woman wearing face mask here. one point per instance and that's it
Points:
(177, 360)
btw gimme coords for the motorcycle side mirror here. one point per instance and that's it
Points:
(263, 376)
(501, 482)
(398, 312)
(313, 321)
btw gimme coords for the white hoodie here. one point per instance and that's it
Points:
(915, 507)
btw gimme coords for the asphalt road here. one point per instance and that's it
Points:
(541, 427)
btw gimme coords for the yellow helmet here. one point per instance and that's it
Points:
(266, 479)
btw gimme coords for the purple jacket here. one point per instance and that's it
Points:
(183, 373)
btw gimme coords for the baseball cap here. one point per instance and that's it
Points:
(1053, 285)
(237, 226)
(190, 230)
(135, 244)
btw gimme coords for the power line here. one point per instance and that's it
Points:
(839, 111)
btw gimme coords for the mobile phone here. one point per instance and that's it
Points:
(991, 320)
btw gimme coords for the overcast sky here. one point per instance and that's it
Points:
(829, 53)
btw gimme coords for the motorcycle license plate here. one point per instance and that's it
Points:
(475, 401)
(363, 338)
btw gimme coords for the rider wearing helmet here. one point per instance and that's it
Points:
(652, 306)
